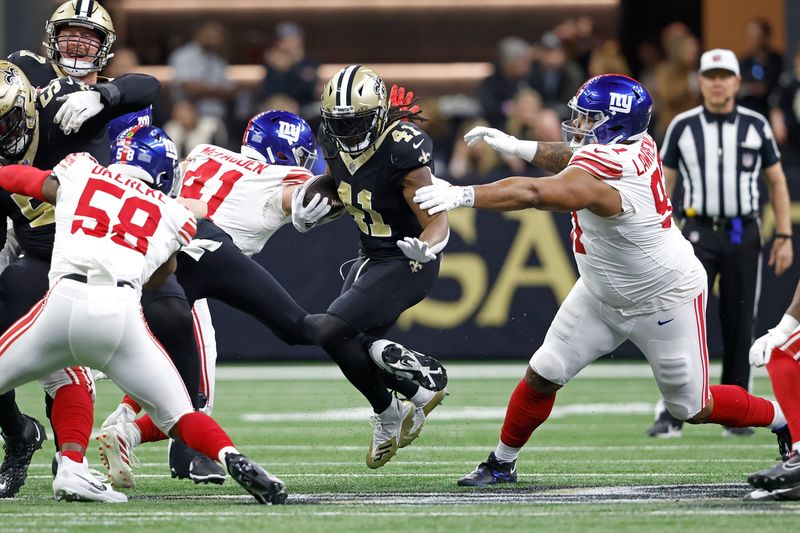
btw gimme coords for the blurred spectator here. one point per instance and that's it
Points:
(476, 163)
(650, 56)
(554, 76)
(785, 115)
(577, 37)
(124, 61)
(608, 59)
(200, 71)
(676, 87)
(288, 70)
(511, 74)
(279, 101)
(441, 130)
(188, 128)
(529, 119)
(761, 68)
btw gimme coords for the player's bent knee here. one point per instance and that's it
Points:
(548, 368)
(537, 382)
(332, 330)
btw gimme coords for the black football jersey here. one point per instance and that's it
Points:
(371, 185)
(33, 220)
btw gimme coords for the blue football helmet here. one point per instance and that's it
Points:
(280, 138)
(149, 149)
(607, 109)
(143, 117)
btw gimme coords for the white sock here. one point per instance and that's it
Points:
(134, 434)
(422, 397)
(796, 447)
(779, 421)
(225, 451)
(506, 453)
(394, 407)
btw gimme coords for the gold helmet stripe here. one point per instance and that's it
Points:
(345, 85)
(84, 8)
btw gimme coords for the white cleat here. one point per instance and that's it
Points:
(117, 456)
(74, 483)
(123, 413)
(422, 411)
(390, 425)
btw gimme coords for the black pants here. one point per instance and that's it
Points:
(738, 267)
(227, 275)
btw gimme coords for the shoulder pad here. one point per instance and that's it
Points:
(597, 160)
(197, 151)
(410, 146)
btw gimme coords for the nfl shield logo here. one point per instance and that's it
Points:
(747, 160)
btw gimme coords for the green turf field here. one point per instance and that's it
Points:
(588, 468)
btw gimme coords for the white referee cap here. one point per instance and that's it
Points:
(721, 59)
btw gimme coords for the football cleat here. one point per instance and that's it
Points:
(785, 475)
(123, 413)
(264, 487)
(389, 427)
(396, 359)
(666, 426)
(420, 415)
(186, 463)
(490, 472)
(784, 441)
(792, 494)
(75, 483)
(117, 455)
(99, 476)
(19, 452)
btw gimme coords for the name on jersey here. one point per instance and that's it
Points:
(131, 183)
(246, 163)
(646, 156)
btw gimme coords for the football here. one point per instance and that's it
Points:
(326, 187)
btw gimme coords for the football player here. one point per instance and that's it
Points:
(92, 316)
(378, 157)
(779, 351)
(639, 279)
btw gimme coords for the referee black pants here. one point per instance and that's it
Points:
(738, 266)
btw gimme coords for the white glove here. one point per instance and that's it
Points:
(437, 198)
(502, 142)
(76, 109)
(304, 218)
(761, 350)
(416, 249)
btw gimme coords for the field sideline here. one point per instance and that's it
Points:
(589, 468)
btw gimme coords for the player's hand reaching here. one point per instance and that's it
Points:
(761, 350)
(416, 249)
(502, 142)
(76, 109)
(304, 217)
(442, 196)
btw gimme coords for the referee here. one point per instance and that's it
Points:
(718, 150)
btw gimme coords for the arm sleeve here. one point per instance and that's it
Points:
(24, 180)
(769, 148)
(596, 161)
(128, 93)
(669, 151)
(410, 150)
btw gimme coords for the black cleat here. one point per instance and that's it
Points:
(186, 463)
(264, 487)
(19, 452)
(785, 475)
(490, 472)
(424, 370)
(784, 441)
(666, 426)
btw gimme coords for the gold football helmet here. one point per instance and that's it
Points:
(355, 105)
(17, 112)
(86, 14)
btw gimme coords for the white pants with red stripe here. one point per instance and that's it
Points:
(206, 337)
(97, 326)
(673, 341)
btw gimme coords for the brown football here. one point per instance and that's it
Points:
(326, 187)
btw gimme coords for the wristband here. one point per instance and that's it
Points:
(782, 236)
(787, 324)
(527, 150)
(468, 196)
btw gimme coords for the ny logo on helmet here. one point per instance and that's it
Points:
(288, 131)
(620, 103)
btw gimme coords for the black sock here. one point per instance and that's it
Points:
(12, 423)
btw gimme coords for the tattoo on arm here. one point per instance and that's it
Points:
(552, 157)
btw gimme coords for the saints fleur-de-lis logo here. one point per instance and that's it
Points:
(424, 157)
(415, 266)
(9, 76)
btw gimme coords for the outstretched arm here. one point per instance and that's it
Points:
(29, 181)
(550, 156)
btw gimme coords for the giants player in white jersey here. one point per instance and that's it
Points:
(114, 235)
(639, 279)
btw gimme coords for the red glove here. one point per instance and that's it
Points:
(398, 97)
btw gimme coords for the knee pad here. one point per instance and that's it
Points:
(550, 366)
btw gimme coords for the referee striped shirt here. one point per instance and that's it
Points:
(719, 158)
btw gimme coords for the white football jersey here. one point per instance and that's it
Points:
(112, 228)
(637, 261)
(243, 195)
